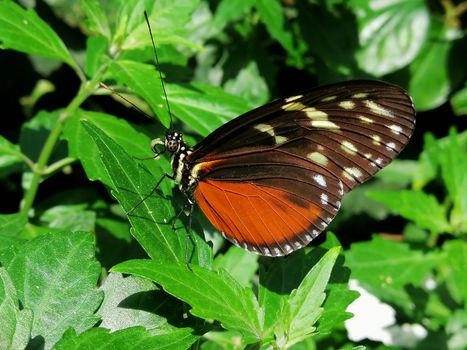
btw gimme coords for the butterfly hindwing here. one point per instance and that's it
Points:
(272, 179)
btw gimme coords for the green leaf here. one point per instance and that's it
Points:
(271, 14)
(96, 54)
(23, 30)
(303, 307)
(168, 19)
(34, 134)
(144, 80)
(10, 157)
(11, 226)
(231, 10)
(459, 102)
(417, 206)
(15, 323)
(239, 263)
(212, 295)
(391, 33)
(284, 275)
(96, 17)
(249, 84)
(382, 262)
(55, 276)
(151, 219)
(203, 107)
(81, 146)
(453, 161)
(134, 301)
(126, 339)
(70, 218)
(456, 261)
(438, 68)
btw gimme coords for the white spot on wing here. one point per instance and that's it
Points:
(347, 104)
(377, 109)
(320, 179)
(288, 248)
(319, 158)
(324, 198)
(360, 95)
(293, 106)
(315, 233)
(376, 140)
(351, 173)
(396, 129)
(324, 124)
(313, 113)
(329, 98)
(366, 119)
(308, 238)
(391, 146)
(293, 98)
(268, 129)
(349, 147)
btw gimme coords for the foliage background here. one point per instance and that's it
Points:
(67, 154)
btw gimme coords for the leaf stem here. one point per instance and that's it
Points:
(40, 168)
(58, 165)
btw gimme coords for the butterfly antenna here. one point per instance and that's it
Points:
(125, 99)
(156, 61)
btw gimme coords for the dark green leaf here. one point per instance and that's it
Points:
(151, 219)
(212, 295)
(10, 158)
(459, 102)
(11, 226)
(81, 146)
(55, 276)
(382, 262)
(134, 338)
(239, 263)
(391, 33)
(417, 206)
(70, 218)
(23, 30)
(15, 323)
(272, 15)
(231, 10)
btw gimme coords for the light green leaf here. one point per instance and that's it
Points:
(55, 276)
(391, 33)
(212, 295)
(70, 218)
(417, 206)
(382, 262)
(459, 102)
(250, 85)
(130, 184)
(15, 323)
(231, 10)
(456, 261)
(126, 339)
(239, 263)
(204, 107)
(131, 301)
(438, 68)
(303, 307)
(144, 80)
(11, 226)
(96, 17)
(23, 30)
(453, 161)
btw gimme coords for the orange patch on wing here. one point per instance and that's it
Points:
(257, 216)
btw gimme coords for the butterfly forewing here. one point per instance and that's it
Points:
(272, 179)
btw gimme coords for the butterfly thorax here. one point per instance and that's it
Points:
(182, 174)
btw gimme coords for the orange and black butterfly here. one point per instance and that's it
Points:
(272, 179)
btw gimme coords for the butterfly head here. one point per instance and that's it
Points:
(173, 141)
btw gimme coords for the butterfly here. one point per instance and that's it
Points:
(272, 179)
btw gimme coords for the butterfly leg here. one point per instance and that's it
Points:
(151, 192)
